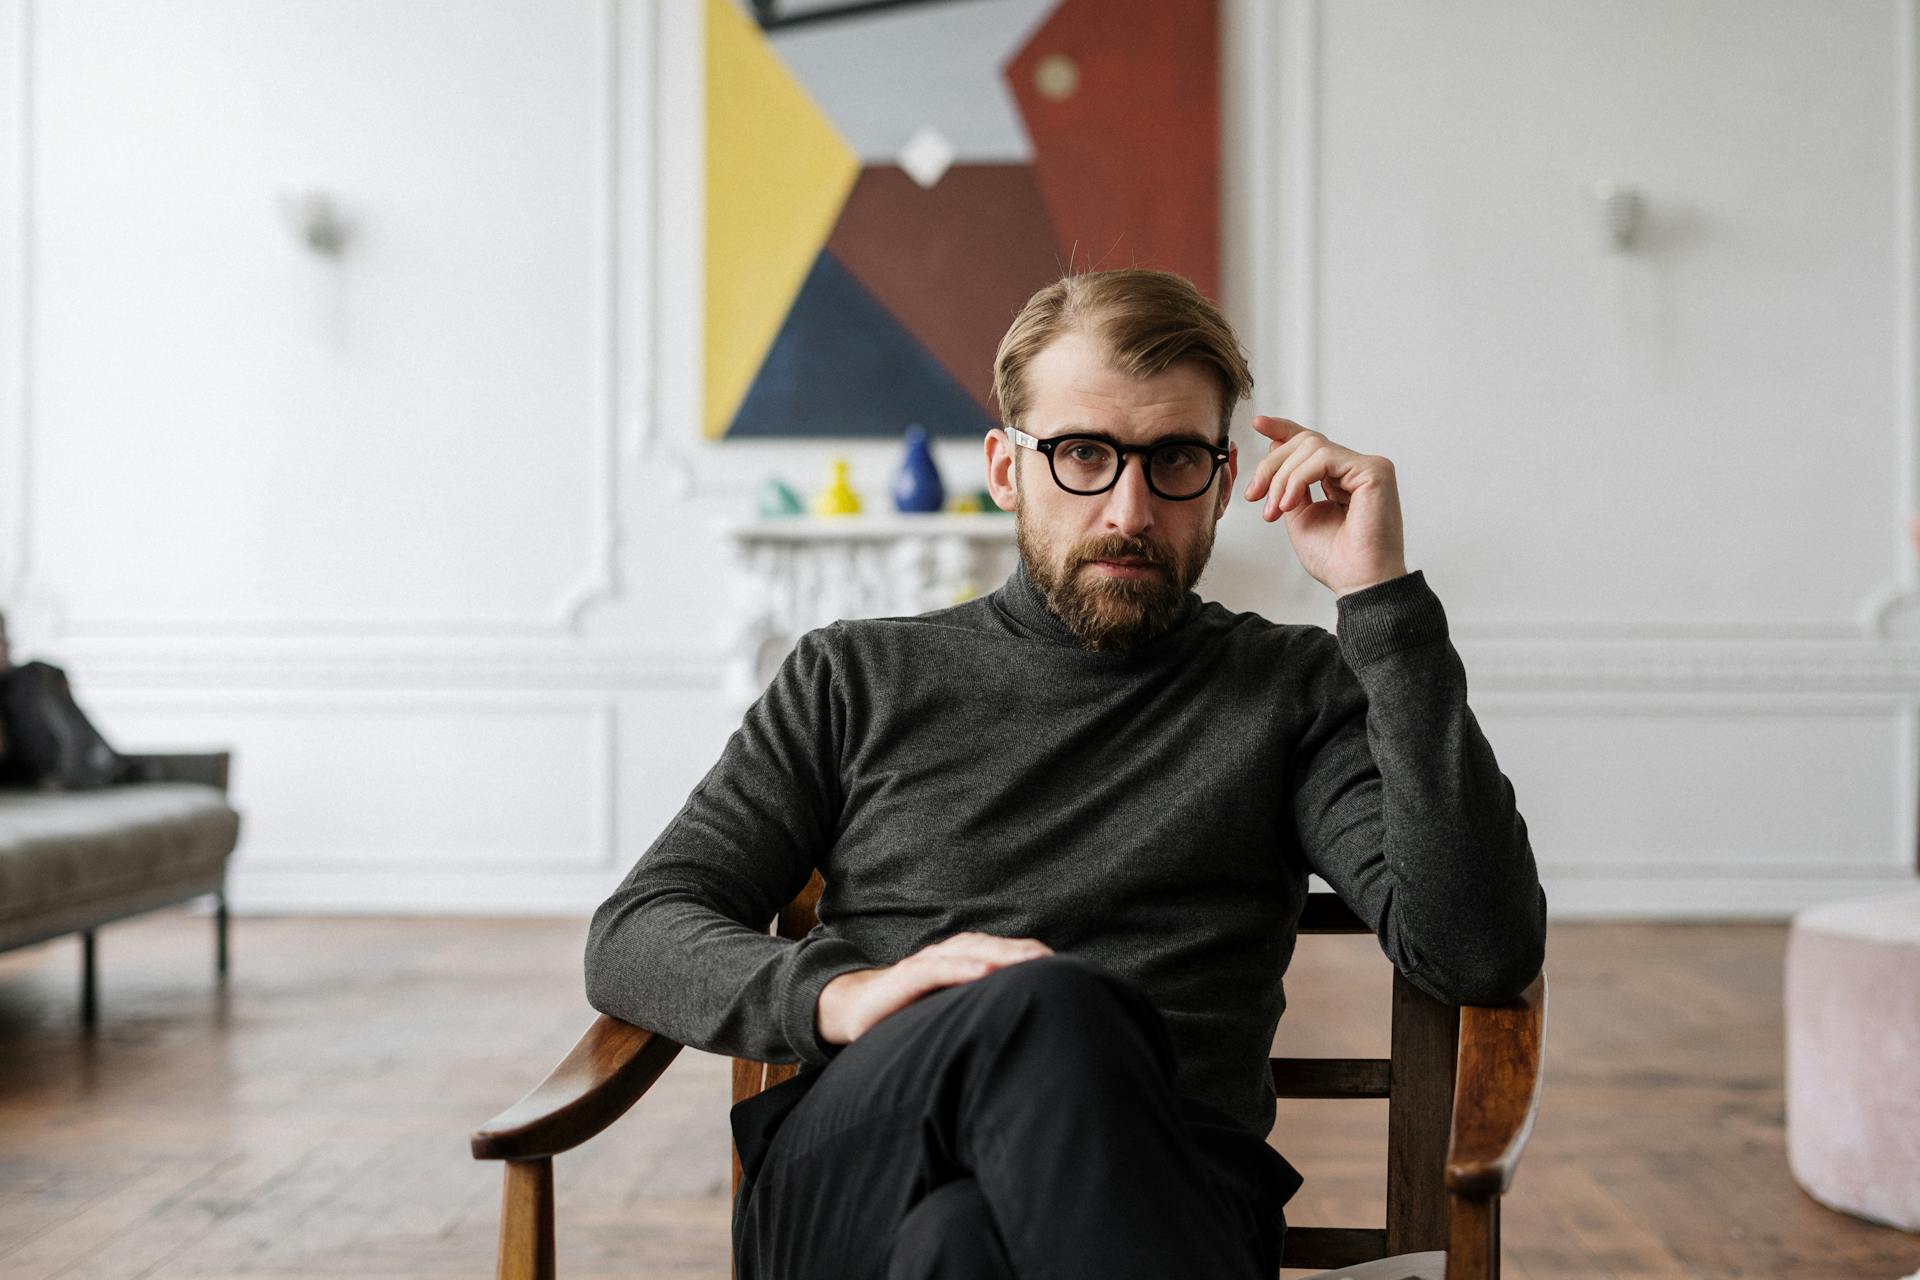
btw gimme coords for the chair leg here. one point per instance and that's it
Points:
(526, 1221)
(1473, 1245)
(220, 934)
(88, 1003)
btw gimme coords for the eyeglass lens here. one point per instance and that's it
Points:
(1174, 470)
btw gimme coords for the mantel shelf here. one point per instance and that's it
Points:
(888, 526)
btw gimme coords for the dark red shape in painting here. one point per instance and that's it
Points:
(1127, 136)
(952, 263)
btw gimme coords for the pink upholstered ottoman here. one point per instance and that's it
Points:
(1853, 1056)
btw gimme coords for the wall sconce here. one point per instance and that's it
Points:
(1623, 212)
(316, 219)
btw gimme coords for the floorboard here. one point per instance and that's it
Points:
(311, 1118)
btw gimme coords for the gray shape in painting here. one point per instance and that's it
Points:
(884, 76)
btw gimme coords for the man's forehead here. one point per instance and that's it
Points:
(1073, 385)
(1125, 418)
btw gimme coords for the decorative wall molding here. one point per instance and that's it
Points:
(271, 890)
(1608, 895)
(1571, 897)
(637, 46)
(1894, 609)
(1888, 612)
(1728, 867)
(599, 716)
(1533, 673)
(1896, 702)
(218, 670)
(624, 111)
(1296, 284)
(1251, 190)
(16, 286)
(595, 581)
(1906, 772)
(1775, 673)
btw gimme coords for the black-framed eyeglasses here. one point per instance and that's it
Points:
(1177, 469)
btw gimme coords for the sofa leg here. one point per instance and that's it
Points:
(220, 934)
(88, 1008)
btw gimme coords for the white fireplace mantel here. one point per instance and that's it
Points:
(795, 573)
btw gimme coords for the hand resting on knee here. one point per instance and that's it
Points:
(852, 1003)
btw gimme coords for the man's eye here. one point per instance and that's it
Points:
(1178, 458)
(1086, 453)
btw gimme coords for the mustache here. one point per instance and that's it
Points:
(1118, 548)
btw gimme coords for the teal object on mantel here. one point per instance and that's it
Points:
(917, 485)
(777, 498)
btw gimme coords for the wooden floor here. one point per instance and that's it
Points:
(312, 1119)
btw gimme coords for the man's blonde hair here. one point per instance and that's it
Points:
(1147, 320)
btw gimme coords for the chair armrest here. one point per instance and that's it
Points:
(1496, 1092)
(206, 767)
(607, 1071)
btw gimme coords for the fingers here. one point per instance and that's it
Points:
(1298, 472)
(1279, 430)
(1286, 475)
(1308, 458)
(962, 958)
(992, 948)
(934, 971)
(967, 956)
(1288, 438)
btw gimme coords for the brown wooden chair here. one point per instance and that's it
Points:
(1463, 1084)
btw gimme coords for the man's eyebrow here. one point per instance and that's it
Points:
(1179, 434)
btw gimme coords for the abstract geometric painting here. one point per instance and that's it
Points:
(888, 182)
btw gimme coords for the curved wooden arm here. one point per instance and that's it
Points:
(1497, 1091)
(612, 1065)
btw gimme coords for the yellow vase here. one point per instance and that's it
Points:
(838, 498)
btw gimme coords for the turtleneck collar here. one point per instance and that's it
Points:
(1022, 600)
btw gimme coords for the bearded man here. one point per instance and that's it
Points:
(1065, 832)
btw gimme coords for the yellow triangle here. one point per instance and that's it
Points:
(778, 174)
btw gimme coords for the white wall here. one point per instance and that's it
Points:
(425, 533)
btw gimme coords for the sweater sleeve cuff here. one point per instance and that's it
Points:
(823, 958)
(1387, 618)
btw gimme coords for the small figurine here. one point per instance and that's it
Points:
(838, 498)
(777, 498)
(917, 487)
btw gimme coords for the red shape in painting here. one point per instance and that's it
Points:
(1121, 101)
(952, 263)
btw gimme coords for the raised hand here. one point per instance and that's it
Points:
(1352, 538)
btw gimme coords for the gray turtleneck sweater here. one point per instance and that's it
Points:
(1156, 810)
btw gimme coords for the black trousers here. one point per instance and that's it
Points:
(1025, 1126)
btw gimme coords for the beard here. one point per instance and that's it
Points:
(1102, 611)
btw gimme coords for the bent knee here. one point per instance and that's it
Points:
(1068, 1013)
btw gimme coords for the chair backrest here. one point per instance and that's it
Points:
(1417, 1082)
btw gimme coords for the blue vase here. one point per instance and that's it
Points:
(917, 487)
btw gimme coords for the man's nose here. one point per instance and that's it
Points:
(1130, 503)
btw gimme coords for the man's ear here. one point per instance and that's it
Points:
(1002, 470)
(1226, 489)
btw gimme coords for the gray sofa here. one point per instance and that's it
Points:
(71, 861)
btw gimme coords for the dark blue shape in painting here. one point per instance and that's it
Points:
(843, 366)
